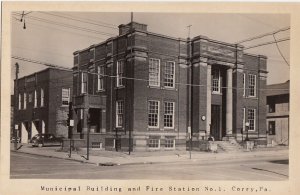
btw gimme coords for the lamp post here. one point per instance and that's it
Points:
(247, 127)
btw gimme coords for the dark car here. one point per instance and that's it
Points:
(45, 140)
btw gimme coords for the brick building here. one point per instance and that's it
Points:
(154, 88)
(42, 103)
(278, 113)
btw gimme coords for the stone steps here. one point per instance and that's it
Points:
(228, 146)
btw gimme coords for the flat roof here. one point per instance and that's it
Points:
(278, 89)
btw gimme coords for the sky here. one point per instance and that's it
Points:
(52, 37)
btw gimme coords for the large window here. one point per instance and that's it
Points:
(83, 82)
(100, 77)
(120, 73)
(119, 113)
(42, 98)
(169, 114)
(76, 60)
(20, 102)
(169, 78)
(154, 72)
(252, 85)
(25, 101)
(251, 119)
(65, 95)
(271, 128)
(153, 113)
(35, 99)
(216, 80)
(154, 143)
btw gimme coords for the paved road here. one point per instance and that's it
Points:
(32, 166)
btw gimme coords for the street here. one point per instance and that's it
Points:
(265, 168)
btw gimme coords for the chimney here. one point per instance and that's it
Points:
(124, 28)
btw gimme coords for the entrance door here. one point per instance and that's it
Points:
(215, 122)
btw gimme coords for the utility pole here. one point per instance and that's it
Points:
(131, 45)
(16, 108)
(190, 133)
(70, 122)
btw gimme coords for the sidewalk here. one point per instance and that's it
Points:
(110, 158)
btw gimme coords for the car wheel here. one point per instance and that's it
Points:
(40, 145)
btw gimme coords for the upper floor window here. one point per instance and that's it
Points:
(216, 85)
(153, 113)
(252, 85)
(35, 99)
(169, 76)
(154, 72)
(120, 73)
(251, 119)
(244, 85)
(272, 107)
(42, 97)
(65, 95)
(271, 127)
(30, 97)
(169, 114)
(20, 102)
(119, 113)
(76, 60)
(92, 54)
(83, 82)
(100, 77)
(25, 101)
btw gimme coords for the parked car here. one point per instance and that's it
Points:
(12, 139)
(46, 140)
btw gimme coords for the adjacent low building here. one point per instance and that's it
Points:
(148, 91)
(278, 113)
(42, 103)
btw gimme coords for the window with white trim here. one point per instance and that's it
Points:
(244, 85)
(216, 82)
(154, 143)
(153, 113)
(29, 97)
(119, 113)
(251, 119)
(169, 114)
(252, 85)
(100, 78)
(120, 73)
(169, 76)
(83, 82)
(65, 96)
(25, 101)
(169, 142)
(42, 97)
(35, 99)
(20, 102)
(154, 72)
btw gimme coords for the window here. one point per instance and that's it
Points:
(30, 97)
(272, 107)
(169, 114)
(244, 85)
(169, 80)
(154, 72)
(169, 142)
(20, 102)
(76, 60)
(83, 82)
(81, 114)
(92, 54)
(252, 85)
(120, 72)
(244, 119)
(154, 143)
(216, 80)
(271, 128)
(35, 99)
(65, 95)
(119, 113)
(100, 76)
(25, 101)
(251, 119)
(42, 97)
(153, 113)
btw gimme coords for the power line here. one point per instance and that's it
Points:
(263, 35)
(78, 20)
(280, 51)
(268, 43)
(70, 26)
(39, 62)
